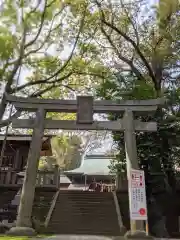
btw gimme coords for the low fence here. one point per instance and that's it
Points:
(103, 188)
(10, 177)
(108, 187)
(48, 179)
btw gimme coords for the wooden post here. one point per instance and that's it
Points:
(60, 172)
(131, 157)
(28, 189)
(57, 176)
(16, 164)
(8, 176)
(85, 182)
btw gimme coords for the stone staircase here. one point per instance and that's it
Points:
(42, 202)
(78, 212)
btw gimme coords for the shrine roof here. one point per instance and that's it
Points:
(21, 137)
(26, 139)
(94, 165)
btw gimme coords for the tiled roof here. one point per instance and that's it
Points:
(20, 137)
(93, 165)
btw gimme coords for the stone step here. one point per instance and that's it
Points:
(42, 203)
(85, 205)
(84, 213)
(80, 198)
(84, 218)
(85, 194)
(90, 231)
(85, 221)
(84, 224)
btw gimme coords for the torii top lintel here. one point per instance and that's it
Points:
(98, 106)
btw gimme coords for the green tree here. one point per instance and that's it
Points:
(68, 149)
(144, 56)
(41, 52)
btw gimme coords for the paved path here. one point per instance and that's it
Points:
(85, 237)
(77, 237)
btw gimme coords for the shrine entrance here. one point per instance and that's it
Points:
(84, 107)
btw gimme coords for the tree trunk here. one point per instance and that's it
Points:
(156, 220)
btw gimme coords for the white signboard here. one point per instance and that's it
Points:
(137, 195)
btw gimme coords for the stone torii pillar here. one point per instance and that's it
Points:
(130, 141)
(24, 223)
(131, 161)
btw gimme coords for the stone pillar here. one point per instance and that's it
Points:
(24, 224)
(131, 159)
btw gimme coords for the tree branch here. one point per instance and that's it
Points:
(151, 74)
(40, 27)
(12, 74)
(132, 23)
(129, 62)
(34, 9)
(73, 49)
(128, 39)
(90, 74)
(29, 84)
(44, 81)
(16, 65)
(41, 92)
(48, 35)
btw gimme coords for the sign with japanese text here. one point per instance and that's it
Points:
(137, 195)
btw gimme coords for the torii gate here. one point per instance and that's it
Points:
(85, 107)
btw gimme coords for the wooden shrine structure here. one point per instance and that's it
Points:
(16, 150)
(14, 161)
(85, 107)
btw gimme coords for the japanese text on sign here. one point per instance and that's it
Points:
(137, 195)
